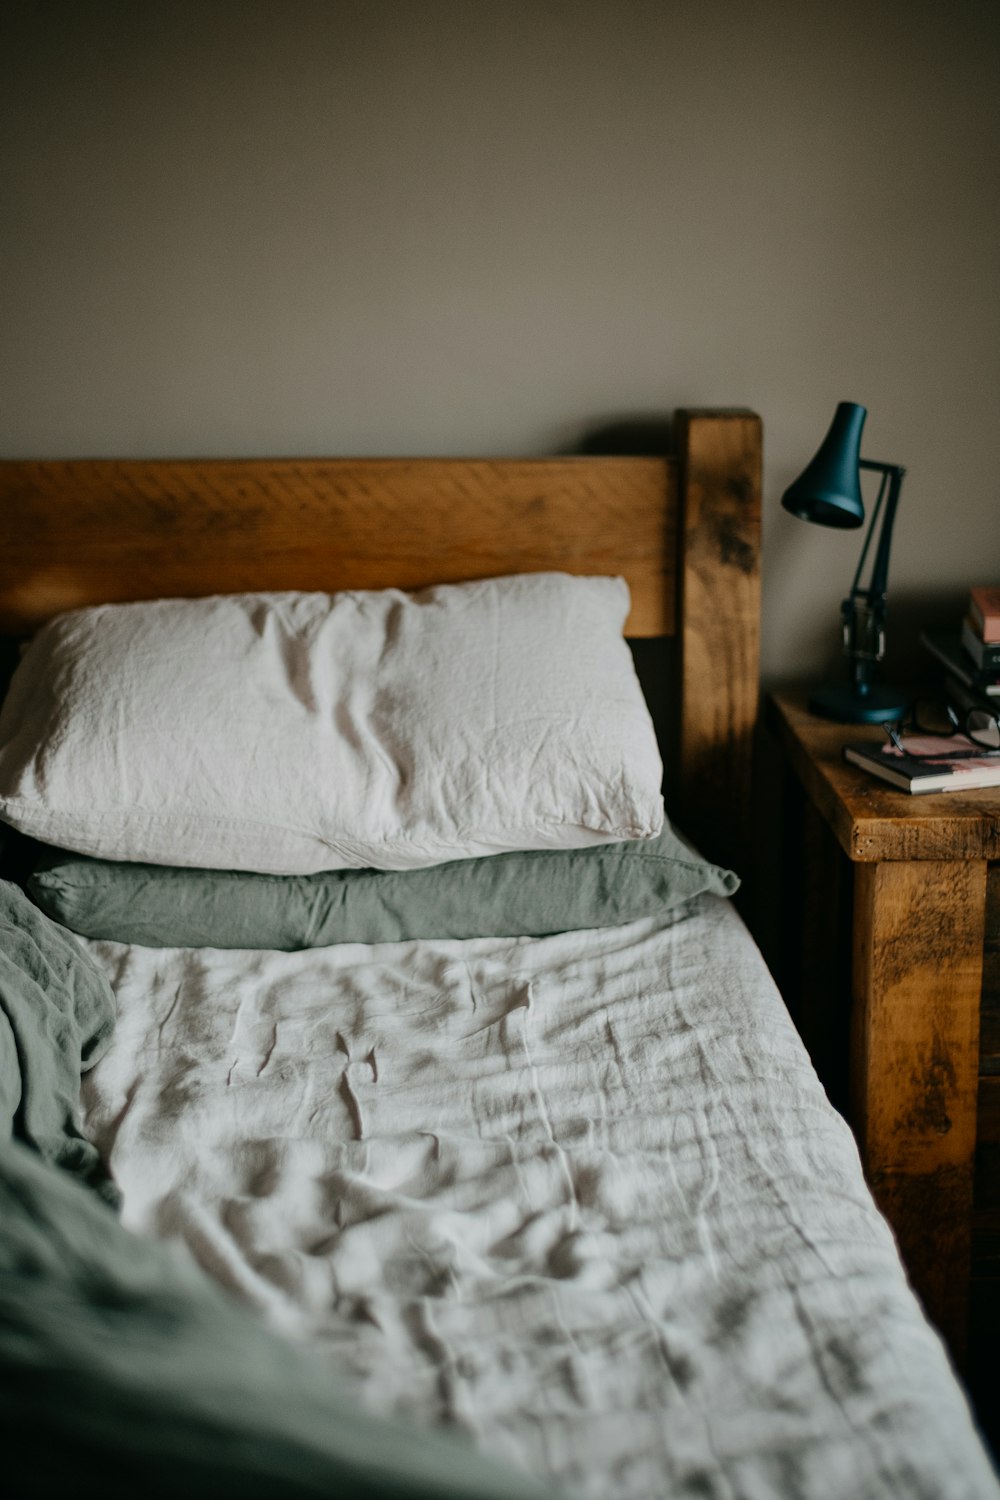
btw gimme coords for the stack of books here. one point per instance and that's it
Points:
(972, 654)
(981, 629)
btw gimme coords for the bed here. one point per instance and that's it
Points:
(574, 1194)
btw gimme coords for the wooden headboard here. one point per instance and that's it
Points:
(683, 530)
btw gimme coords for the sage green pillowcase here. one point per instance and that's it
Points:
(501, 895)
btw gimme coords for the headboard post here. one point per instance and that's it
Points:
(718, 630)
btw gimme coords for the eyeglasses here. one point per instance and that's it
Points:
(934, 717)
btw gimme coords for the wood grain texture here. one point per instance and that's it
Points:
(989, 1037)
(872, 820)
(90, 531)
(984, 1295)
(917, 975)
(720, 457)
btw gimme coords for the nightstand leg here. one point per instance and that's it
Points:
(918, 962)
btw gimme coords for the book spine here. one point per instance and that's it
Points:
(985, 654)
(984, 608)
(963, 697)
(959, 663)
(884, 773)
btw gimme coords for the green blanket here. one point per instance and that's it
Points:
(123, 1371)
(57, 1014)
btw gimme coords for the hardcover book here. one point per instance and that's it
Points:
(946, 646)
(985, 654)
(928, 763)
(984, 607)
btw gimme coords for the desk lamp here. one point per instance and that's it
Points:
(828, 491)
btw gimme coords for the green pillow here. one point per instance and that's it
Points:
(502, 895)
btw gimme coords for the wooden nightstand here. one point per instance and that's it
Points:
(887, 903)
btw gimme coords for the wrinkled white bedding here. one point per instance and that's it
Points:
(581, 1196)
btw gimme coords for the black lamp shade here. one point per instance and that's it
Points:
(829, 488)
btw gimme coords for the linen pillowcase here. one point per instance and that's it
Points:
(291, 733)
(507, 895)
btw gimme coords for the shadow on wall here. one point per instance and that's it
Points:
(909, 612)
(639, 437)
(906, 664)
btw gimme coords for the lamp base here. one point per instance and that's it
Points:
(876, 704)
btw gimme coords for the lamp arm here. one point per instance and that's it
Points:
(875, 591)
(863, 611)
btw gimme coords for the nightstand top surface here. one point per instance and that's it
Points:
(871, 820)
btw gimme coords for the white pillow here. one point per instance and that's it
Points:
(291, 733)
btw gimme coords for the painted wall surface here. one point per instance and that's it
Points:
(490, 226)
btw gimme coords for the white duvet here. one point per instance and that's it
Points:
(581, 1197)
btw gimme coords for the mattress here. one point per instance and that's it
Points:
(580, 1197)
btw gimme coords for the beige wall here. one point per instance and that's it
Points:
(289, 226)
